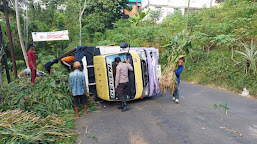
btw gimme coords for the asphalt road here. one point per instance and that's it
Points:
(158, 120)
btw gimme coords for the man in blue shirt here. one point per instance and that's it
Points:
(77, 87)
(178, 72)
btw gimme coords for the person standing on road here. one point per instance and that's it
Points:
(77, 87)
(32, 61)
(178, 72)
(121, 81)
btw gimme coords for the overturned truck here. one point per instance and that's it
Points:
(100, 70)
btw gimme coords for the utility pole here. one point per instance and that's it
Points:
(10, 38)
(187, 15)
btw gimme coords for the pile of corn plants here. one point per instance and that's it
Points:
(38, 113)
(48, 95)
(180, 44)
(168, 80)
(18, 126)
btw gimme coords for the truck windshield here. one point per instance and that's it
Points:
(111, 72)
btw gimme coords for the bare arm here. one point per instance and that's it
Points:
(129, 65)
(70, 85)
(34, 68)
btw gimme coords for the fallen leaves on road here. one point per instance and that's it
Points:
(233, 131)
(224, 106)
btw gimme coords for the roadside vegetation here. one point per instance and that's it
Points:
(219, 44)
(214, 42)
(39, 113)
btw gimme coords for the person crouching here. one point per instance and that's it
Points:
(77, 87)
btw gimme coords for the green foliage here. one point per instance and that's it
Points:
(50, 95)
(155, 15)
(137, 19)
(179, 45)
(104, 42)
(19, 126)
(219, 27)
(43, 109)
(223, 39)
(220, 72)
(249, 58)
(223, 106)
(174, 23)
(100, 15)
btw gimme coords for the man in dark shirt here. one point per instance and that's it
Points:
(121, 81)
(32, 61)
(49, 64)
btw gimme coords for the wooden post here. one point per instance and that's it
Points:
(10, 39)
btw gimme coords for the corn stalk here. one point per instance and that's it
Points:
(168, 80)
(50, 95)
(17, 126)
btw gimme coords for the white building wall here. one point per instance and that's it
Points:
(168, 6)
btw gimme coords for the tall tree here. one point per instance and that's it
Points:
(102, 14)
(10, 38)
(5, 56)
(80, 17)
(20, 35)
(1, 54)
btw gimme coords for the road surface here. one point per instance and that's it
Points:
(158, 120)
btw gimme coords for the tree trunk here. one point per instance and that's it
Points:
(10, 38)
(1, 79)
(19, 32)
(1, 54)
(27, 28)
(188, 5)
(80, 17)
(5, 56)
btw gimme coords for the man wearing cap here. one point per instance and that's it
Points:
(121, 81)
(32, 61)
(77, 87)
